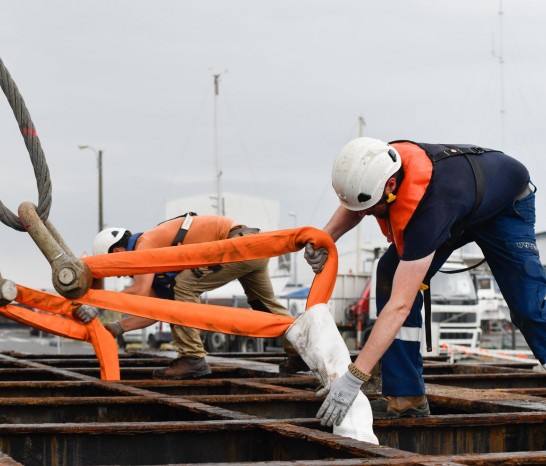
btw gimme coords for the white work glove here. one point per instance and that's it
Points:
(341, 395)
(316, 258)
(86, 313)
(114, 328)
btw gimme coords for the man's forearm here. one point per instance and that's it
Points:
(383, 334)
(135, 323)
(405, 286)
(341, 222)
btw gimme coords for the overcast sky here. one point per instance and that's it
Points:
(135, 79)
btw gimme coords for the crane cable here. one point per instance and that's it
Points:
(34, 148)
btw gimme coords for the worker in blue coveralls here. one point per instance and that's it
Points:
(429, 200)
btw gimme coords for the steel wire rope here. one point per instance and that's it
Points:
(32, 142)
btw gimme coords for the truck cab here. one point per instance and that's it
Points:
(493, 307)
(455, 307)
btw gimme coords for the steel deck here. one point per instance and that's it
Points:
(55, 410)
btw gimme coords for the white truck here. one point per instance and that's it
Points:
(493, 308)
(455, 308)
(151, 337)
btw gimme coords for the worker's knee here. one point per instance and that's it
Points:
(529, 307)
(185, 294)
(272, 307)
(257, 305)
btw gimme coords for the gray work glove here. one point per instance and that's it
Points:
(316, 258)
(341, 395)
(86, 313)
(114, 328)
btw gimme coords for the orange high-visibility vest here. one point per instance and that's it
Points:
(417, 174)
(418, 162)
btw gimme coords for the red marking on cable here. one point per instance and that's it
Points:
(28, 131)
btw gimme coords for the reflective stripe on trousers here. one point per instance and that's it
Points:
(402, 363)
(409, 334)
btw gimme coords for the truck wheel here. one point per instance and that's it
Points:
(152, 342)
(248, 345)
(217, 342)
(121, 342)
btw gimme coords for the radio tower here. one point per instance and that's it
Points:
(500, 57)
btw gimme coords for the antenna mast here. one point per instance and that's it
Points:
(218, 170)
(500, 57)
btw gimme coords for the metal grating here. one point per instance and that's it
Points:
(55, 410)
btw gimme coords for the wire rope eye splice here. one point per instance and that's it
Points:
(71, 277)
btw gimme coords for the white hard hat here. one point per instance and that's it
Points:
(361, 171)
(107, 238)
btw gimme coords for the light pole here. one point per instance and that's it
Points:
(99, 166)
(294, 255)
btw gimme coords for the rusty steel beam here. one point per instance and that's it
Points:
(245, 412)
(526, 379)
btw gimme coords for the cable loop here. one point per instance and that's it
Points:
(37, 157)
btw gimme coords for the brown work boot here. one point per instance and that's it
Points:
(292, 365)
(392, 407)
(184, 367)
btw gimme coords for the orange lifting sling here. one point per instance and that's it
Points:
(103, 343)
(203, 316)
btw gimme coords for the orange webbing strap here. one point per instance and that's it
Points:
(106, 349)
(104, 344)
(46, 322)
(235, 321)
(258, 246)
(54, 303)
(232, 320)
(207, 317)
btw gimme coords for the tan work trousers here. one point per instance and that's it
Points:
(253, 276)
